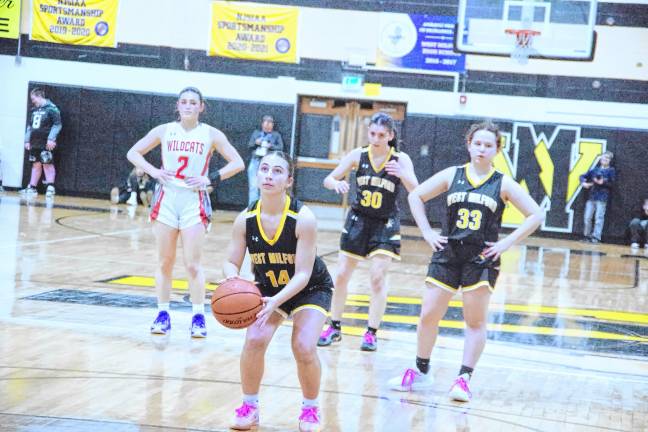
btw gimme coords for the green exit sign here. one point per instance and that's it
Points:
(352, 83)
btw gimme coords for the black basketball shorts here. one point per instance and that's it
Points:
(364, 237)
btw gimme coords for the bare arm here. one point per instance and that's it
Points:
(224, 148)
(136, 154)
(334, 181)
(403, 169)
(236, 248)
(305, 255)
(534, 216)
(432, 187)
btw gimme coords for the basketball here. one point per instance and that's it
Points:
(236, 302)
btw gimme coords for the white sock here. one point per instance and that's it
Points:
(163, 307)
(310, 402)
(251, 399)
(198, 308)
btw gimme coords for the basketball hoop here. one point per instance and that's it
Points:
(523, 44)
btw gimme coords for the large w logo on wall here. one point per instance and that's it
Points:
(548, 168)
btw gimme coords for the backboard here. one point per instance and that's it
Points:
(566, 27)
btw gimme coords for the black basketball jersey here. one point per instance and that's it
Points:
(274, 258)
(376, 192)
(474, 208)
(41, 121)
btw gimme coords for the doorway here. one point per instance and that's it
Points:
(327, 130)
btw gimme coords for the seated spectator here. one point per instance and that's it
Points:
(639, 227)
(138, 189)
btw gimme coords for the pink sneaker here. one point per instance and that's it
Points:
(459, 390)
(369, 342)
(309, 420)
(246, 417)
(411, 380)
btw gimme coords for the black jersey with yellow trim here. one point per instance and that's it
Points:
(274, 258)
(376, 190)
(474, 208)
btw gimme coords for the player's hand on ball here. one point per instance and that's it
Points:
(269, 306)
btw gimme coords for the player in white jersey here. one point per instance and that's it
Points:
(181, 206)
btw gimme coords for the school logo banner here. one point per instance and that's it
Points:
(10, 19)
(253, 31)
(75, 22)
(547, 161)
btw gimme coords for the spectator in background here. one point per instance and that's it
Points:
(598, 180)
(40, 141)
(261, 142)
(138, 189)
(639, 227)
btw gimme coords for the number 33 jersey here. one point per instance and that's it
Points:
(474, 209)
(186, 153)
(274, 258)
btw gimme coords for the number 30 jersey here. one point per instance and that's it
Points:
(274, 258)
(376, 193)
(474, 212)
(186, 153)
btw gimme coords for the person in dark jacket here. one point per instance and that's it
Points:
(599, 181)
(40, 141)
(261, 143)
(639, 227)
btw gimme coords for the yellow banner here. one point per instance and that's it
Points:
(10, 19)
(253, 31)
(75, 22)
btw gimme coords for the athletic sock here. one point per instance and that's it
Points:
(198, 308)
(163, 307)
(423, 365)
(466, 370)
(310, 402)
(372, 330)
(251, 399)
(337, 325)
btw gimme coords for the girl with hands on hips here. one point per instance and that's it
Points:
(180, 207)
(466, 256)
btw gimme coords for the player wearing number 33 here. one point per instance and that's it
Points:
(180, 206)
(372, 227)
(466, 256)
(281, 236)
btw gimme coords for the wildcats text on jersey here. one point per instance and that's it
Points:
(186, 146)
(380, 182)
(472, 197)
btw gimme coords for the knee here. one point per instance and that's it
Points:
(304, 352)
(377, 281)
(474, 324)
(166, 265)
(341, 279)
(193, 270)
(256, 343)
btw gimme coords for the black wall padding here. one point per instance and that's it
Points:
(99, 126)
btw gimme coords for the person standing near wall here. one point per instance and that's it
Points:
(40, 141)
(599, 181)
(262, 141)
(180, 206)
(372, 227)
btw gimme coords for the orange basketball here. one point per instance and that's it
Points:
(236, 302)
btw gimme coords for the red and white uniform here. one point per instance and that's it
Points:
(187, 154)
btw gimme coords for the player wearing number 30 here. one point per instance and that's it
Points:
(372, 227)
(180, 206)
(466, 257)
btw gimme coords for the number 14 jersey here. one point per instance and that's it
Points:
(186, 153)
(474, 208)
